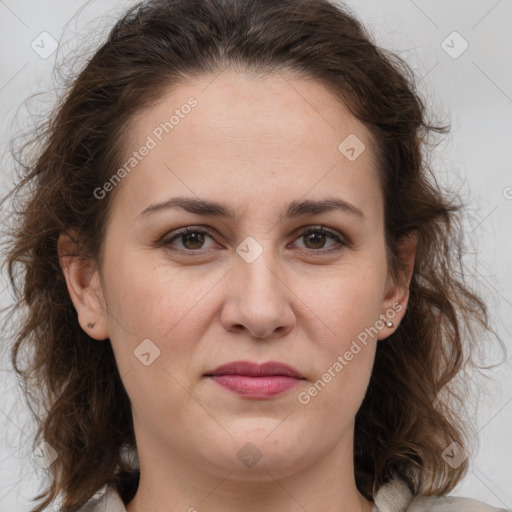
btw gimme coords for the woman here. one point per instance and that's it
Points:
(239, 279)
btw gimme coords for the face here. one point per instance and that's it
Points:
(278, 280)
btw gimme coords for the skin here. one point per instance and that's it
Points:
(256, 144)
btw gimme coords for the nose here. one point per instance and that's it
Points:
(258, 298)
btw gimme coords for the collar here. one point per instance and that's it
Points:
(393, 496)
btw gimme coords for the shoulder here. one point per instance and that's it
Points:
(395, 496)
(106, 500)
(450, 504)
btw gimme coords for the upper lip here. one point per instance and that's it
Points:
(251, 369)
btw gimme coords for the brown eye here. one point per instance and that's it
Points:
(192, 239)
(316, 238)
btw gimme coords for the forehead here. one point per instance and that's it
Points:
(233, 108)
(259, 136)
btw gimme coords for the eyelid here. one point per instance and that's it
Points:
(321, 227)
(176, 233)
(341, 239)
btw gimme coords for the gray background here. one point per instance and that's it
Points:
(473, 91)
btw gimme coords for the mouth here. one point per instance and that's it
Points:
(253, 380)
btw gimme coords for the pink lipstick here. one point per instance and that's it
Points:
(253, 380)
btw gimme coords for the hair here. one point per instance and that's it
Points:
(412, 408)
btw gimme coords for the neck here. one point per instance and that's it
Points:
(328, 485)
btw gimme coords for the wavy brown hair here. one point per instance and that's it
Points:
(411, 411)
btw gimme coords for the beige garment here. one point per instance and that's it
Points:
(394, 496)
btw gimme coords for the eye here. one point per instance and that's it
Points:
(192, 239)
(316, 237)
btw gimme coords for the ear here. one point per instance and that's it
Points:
(84, 287)
(397, 290)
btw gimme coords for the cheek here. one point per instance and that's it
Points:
(347, 300)
(153, 303)
(343, 311)
(346, 315)
(152, 300)
(147, 302)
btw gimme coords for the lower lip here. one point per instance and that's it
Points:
(256, 387)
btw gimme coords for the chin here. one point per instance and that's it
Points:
(253, 454)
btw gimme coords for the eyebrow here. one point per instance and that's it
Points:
(215, 209)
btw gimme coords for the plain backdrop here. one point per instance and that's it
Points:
(461, 52)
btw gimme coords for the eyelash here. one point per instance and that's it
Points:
(342, 241)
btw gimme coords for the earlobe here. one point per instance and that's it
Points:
(84, 287)
(397, 291)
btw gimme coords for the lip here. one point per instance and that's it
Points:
(253, 380)
(250, 369)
